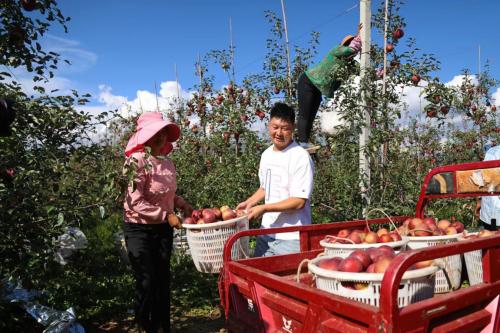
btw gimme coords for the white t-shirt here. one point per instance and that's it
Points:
(285, 174)
(490, 205)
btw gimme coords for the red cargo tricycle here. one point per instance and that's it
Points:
(263, 294)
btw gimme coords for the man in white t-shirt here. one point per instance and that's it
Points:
(286, 183)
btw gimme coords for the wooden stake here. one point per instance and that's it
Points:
(231, 49)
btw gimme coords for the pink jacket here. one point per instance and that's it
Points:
(154, 194)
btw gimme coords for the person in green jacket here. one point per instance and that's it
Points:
(322, 79)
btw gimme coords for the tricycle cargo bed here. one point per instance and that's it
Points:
(277, 294)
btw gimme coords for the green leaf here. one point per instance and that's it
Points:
(60, 219)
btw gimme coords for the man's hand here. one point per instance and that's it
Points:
(245, 205)
(477, 211)
(256, 212)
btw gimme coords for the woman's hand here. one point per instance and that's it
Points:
(256, 212)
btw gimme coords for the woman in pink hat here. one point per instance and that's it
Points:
(148, 206)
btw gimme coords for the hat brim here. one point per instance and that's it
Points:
(137, 141)
(347, 40)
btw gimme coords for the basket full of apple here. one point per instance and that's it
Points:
(358, 275)
(208, 229)
(428, 231)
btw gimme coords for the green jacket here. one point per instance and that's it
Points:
(323, 75)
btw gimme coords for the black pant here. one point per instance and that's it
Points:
(309, 101)
(149, 249)
(489, 227)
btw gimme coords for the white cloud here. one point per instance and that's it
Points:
(69, 49)
(459, 79)
(496, 97)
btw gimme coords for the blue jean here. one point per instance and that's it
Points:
(269, 246)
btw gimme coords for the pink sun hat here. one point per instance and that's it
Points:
(148, 124)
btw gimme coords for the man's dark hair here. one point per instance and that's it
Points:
(283, 111)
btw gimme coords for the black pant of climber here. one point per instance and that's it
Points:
(309, 101)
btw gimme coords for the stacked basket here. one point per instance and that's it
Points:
(206, 242)
(340, 248)
(449, 278)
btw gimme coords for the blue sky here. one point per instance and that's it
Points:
(120, 47)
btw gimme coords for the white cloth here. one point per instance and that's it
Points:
(286, 174)
(490, 205)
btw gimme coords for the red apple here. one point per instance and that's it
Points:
(429, 221)
(228, 214)
(459, 226)
(385, 238)
(355, 238)
(414, 222)
(360, 285)
(451, 230)
(389, 48)
(208, 215)
(443, 224)
(396, 237)
(422, 230)
(189, 220)
(371, 238)
(387, 250)
(371, 269)
(344, 233)
(398, 33)
(382, 231)
(29, 5)
(374, 253)
(196, 214)
(382, 264)
(362, 256)
(351, 264)
(200, 221)
(438, 232)
(415, 79)
(223, 208)
(217, 213)
(330, 263)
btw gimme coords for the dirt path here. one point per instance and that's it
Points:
(185, 323)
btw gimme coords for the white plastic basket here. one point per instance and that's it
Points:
(452, 264)
(474, 265)
(416, 285)
(206, 243)
(339, 248)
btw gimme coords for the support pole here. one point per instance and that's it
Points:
(287, 49)
(231, 48)
(364, 157)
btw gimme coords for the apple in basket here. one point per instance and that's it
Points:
(330, 263)
(223, 208)
(430, 221)
(385, 238)
(351, 264)
(382, 231)
(228, 214)
(174, 221)
(459, 226)
(188, 220)
(443, 224)
(197, 214)
(396, 237)
(371, 237)
(218, 213)
(414, 223)
(344, 233)
(362, 256)
(360, 285)
(208, 215)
